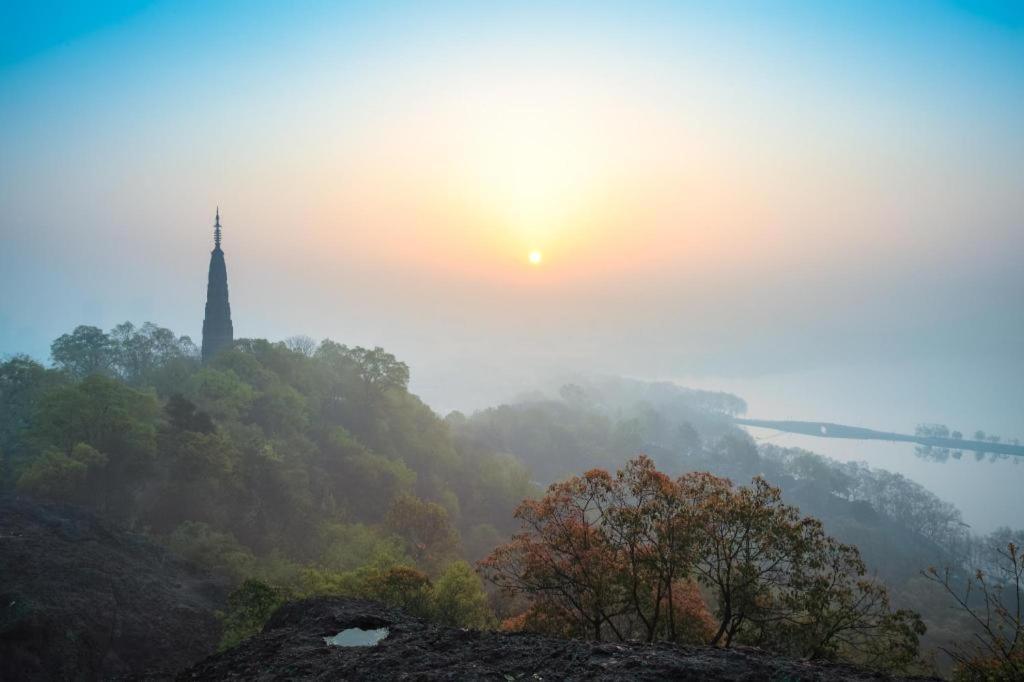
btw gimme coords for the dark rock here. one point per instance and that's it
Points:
(291, 646)
(82, 600)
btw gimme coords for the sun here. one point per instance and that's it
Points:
(536, 257)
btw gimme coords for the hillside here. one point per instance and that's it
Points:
(82, 600)
(306, 470)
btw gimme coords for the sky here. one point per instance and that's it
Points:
(818, 206)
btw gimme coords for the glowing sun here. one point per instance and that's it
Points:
(536, 257)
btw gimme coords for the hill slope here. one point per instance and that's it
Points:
(81, 600)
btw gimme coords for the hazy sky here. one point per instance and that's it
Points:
(818, 205)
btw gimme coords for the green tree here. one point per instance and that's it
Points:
(249, 607)
(220, 393)
(459, 598)
(110, 417)
(183, 415)
(23, 383)
(139, 352)
(216, 550)
(66, 477)
(87, 350)
(403, 586)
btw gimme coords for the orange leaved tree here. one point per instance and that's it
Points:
(621, 556)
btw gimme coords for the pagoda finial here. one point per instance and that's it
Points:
(216, 230)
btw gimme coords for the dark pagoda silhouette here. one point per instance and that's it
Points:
(217, 330)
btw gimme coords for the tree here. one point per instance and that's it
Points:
(694, 623)
(753, 547)
(606, 554)
(995, 602)
(429, 537)
(140, 351)
(364, 482)
(66, 477)
(23, 383)
(655, 530)
(563, 561)
(781, 582)
(600, 554)
(377, 368)
(221, 393)
(249, 607)
(301, 344)
(403, 586)
(837, 612)
(111, 418)
(459, 599)
(86, 350)
(183, 415)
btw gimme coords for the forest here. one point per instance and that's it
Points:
(299, 468)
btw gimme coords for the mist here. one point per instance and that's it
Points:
(851, 258)
(560, 222)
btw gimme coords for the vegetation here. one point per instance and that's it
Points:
(295, 469)
(303, 468)
(604, 555)
(898, 526)
(249, 607)
(942, 454)
(994, 600)
(455, 598)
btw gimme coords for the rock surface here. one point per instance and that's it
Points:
(292, 646)
(82, 600)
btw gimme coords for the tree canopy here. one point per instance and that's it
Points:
(306, 466)
(606, 555)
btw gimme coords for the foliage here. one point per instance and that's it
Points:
(23, 383)
(995, 602)
(264, 444)
(183, 415)
(213, 549)
(115, 423)
(348, 546)
(459, 599)
(424, 526)
(309, 467)
(86, 350)
(57, 476)
(133, 354)
(403, 586)
(694, 623)
(312, 466)
(606, 554)
(249, 607)
(938, 453)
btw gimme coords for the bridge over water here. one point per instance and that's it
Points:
(830, 430)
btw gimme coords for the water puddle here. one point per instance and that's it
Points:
(357, 637)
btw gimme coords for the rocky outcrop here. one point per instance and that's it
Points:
(292, 646)
(82, 600)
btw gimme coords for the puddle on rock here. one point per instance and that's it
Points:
(357, 637)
